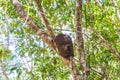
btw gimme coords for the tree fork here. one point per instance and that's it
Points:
(46, 38)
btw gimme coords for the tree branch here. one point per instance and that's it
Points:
(72, 67)
(79, 38)
(45, 20)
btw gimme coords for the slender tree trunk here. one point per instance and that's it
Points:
(79, 39)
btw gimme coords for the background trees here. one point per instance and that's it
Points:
(24, 56)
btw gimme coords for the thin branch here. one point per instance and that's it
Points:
(116, 9)
(96, 71)
(99, 4)
(102, 72)
(64, 30)
(45, 20)
(106, 43)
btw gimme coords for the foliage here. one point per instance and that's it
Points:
(32, 59)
